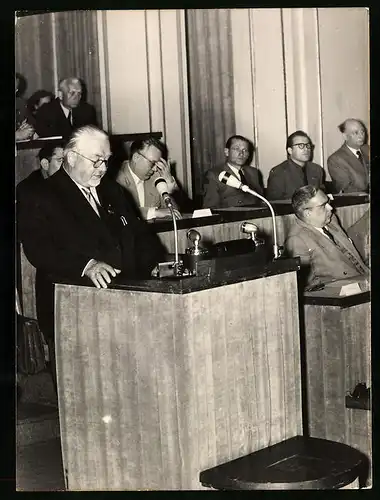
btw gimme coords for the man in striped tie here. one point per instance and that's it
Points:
(327, 254)
(349, 165)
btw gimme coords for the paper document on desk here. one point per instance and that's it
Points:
(350, 289)
(203, 212)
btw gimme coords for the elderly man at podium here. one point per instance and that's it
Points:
(80, 227)
(327, 253)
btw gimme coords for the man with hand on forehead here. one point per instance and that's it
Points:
(296, 171)
(327, 254)
(148, 162)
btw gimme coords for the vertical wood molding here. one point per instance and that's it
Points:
(103, 69)
(242, 73)
(55, 55)
(268, 92)
(154, 71)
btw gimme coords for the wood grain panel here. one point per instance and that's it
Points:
(338, 345)
(186, 381)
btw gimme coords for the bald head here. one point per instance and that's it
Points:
(354, 132)
(70, 92)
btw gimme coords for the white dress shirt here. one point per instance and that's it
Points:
(235, 170)
(139, 183)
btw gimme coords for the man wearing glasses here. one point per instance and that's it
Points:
(80, 227)
(296, 171)
(148, 161)
(327, 253)
(238, 153)
(61, 116)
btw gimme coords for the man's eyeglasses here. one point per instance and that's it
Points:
(328, 202)
(303, 145)
(96, 163)
(147, 159)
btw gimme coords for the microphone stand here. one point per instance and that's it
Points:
(177, 264)
(246, 189)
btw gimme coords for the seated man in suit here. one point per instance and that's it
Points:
(296, 171)
(51, 159)
(148, 161)
(63, 115)
(327, 254)
(349, 165)
(238, 153)
(80, 227)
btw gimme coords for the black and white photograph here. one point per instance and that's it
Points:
(193, 249)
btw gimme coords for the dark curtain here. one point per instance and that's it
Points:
(77, 52)
(211, 92)
(34, 52)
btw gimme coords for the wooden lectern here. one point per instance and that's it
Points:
(159, 380)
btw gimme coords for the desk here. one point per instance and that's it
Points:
(338, 356)
(158, 380)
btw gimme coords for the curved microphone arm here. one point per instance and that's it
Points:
(275, 245)
(232, 181)
(170, 206)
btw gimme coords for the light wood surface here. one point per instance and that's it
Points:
(154, 388)
(338, 347)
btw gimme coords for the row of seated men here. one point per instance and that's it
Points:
(348, 166)
(81, 225)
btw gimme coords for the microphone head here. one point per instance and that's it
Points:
(161, 185)
(193, 235)
(229, 179)
(248, 228)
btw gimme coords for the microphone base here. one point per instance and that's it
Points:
(171, 270)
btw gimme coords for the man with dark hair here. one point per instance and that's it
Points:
(296, 171)
(51, 159)
(63, 115)
(349, 165)
(80, 227)
(327, 254)
(148, 160)
(238, 152)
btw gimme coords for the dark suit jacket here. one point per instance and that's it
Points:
(219, 195)
(347, 172)
(286, 177)
(321, 260)
(51, 120)
(29, 185)
(60, 233)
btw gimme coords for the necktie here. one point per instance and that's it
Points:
(359, 155)
(91, 200)
(242, 177)
(329, 235)
(70, 117)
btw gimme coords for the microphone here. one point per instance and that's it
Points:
(162, 187)
(232, 181)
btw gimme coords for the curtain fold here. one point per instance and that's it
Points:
(211, 89)
(76, 37)
(34, 52)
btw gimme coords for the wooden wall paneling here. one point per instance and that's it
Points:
(164, 389)
(338, 345)
(127, 54)
(268, 88)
